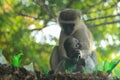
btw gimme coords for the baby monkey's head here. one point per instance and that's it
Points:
(72, 47)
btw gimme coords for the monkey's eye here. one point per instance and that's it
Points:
(77, 46)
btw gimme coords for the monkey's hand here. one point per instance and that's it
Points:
(81, 62)
(69, 65)
(79, 65)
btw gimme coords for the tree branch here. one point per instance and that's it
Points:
(25, 15)
(103, 17)
(69, 4)
(105, 23)
(36, 29)
(91, 26)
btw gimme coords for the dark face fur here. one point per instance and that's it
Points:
(68, 28)
(72, 47)
(67, 19)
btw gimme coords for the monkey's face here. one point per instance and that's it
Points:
(67, 20)
(68, 28)
(72, 47)
(74, 54)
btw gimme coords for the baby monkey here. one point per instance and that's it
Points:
(73, 62)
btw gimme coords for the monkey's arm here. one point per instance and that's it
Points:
(62, 51)
(94, 57)
(84, 36)
(60, 67)
(54, 58)
(90, 60)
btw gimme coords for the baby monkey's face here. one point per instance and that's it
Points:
(72, 47)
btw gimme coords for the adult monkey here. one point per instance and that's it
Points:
(72, 25)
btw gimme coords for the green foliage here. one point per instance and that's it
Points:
(106, 66)
(0, 51)
(117, 72)
(16, 61)
(69, 65)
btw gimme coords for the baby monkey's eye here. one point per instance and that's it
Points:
(78, 46)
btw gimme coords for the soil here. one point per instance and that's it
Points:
(8, 72)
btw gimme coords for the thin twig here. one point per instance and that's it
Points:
(103, 17)
(21, 14)
(105, 23)
(86, 11)
(69, 4)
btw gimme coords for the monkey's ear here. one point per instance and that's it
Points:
(80, 14)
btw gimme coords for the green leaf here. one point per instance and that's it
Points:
(108, 66)
(100, 66)
(112, 65)
(69, 66)
(0, 51)
(117, 72)
(17, 60)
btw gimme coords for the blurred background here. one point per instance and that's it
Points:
(30, 27)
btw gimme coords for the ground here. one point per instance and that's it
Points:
(8, 72)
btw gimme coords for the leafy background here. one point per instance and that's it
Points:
(101, 16)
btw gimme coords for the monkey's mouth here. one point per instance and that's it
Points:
(68, 31)
(74, 54)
